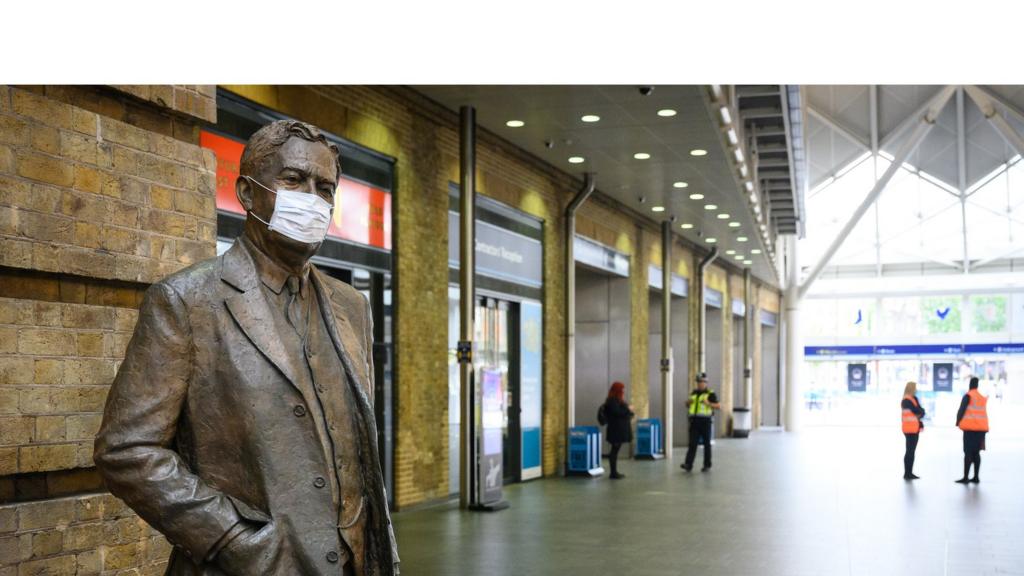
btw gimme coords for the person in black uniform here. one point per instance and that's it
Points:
(700, 406)
(617, 414)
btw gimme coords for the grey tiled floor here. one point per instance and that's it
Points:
(825, 501)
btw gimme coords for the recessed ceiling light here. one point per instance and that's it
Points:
(576, 160)
(749, 186)
(641, 155)
(755, 251)
(666, 113)
(657, 208)
(680, 185)
(515, 123)
(723, 216)
(686, 226)
(739, 256)
(711, 206)
(698, 152)
(748, 262)
(590, 118)
(696, 196)
(734, 224)
(730, 252)
(732, 137)
(711, 240)
(741, 239)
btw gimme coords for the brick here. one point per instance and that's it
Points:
(89, 317)
(88, 179)
(47, 543)
(58, 566)
(39, 342)
(122, 557)
(6, 160)
(90, 344)
(14, 131)
(83, 537)
(123, 214)
(44, 227)
(72, 291)
(42, 199)
(110, 185)
(8, 339)
(124, 160)
(84, 121)
(16, 430)
(90, 508)
(125, 319)
(79, 148)
(8, 401)
(171, 224)
(42, 109)
(8, 461)
(10, 549)
(83, 454)
(46, 458)
(8, 519)
(89, 371)
(89, 563)
(161, 198)
(83, 427)
(14, 370)
(85, 262)
(16, 253)
(124, 134)
(48, 371)
(115, 345)
(46, 314)
(44, 255)
(46, 514)
(46, 139)
(45, 169)
(51, 429)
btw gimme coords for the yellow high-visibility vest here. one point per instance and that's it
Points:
(698, 407)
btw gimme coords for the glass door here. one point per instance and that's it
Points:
(496, 377)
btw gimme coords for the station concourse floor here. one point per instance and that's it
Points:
(824, 501)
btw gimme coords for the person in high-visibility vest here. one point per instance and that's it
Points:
(700, 405)
(913, 416)
(972, 418)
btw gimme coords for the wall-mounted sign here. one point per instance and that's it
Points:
(713, 298)
(857, 377)
(769, 318)
(738, 307)
(500, 253)
(680, 285)
(362, 213)
(599, 256)
(942, 377)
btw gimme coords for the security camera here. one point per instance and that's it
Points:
(549, 144)
(646, 90)
(672, 219)
(642, 199)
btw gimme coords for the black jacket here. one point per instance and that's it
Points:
(619, 428)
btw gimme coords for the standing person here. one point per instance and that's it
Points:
(972, 418)
(617, 414)
(913, 416)
(701, 404)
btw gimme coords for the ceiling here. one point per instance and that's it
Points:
(955, 210)
(554, 131)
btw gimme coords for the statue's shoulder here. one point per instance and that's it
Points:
(193, 282)
(342, 293)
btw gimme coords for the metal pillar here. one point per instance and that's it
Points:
(748, 358)
(794, 344)
(702, 315)
(926, 121)
(570, 305)
(467, 303)
(666, 334)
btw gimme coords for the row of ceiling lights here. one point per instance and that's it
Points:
(697, 152)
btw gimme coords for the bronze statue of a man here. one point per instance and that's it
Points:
(240, 423)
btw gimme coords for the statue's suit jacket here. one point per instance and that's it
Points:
(205, 426)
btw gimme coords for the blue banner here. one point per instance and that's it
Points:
(914, 350)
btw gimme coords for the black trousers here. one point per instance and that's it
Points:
(700, 432)
(908, 455)
(613, 457)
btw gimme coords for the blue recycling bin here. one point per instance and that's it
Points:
(648, 439)
(585, 451)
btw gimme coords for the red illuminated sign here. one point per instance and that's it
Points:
(362, 213)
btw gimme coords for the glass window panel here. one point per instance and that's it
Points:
(901, 316)
(941, 314)
(988, 234)
(855, 317)
(988, 314)
(820, 318)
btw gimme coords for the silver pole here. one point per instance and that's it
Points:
(467, 240)
(702, 315)
(748, 360)
(666, 334)
(794, 347)
(570, 305)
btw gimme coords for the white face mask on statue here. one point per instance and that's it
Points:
(298, 215)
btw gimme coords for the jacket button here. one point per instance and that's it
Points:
(319, 482)
(332, 557)
(299, 411)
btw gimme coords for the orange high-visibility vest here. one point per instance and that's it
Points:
(975, 417)
(911, 425)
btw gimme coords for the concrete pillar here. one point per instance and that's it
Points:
(794, 343)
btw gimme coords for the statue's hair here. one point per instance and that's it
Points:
(267, 140)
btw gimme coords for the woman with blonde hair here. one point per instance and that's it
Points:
(913, 415)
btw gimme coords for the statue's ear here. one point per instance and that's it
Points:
(243, 190)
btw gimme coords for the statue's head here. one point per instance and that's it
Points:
(287, 180)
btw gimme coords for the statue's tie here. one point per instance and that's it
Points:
(294, 310)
